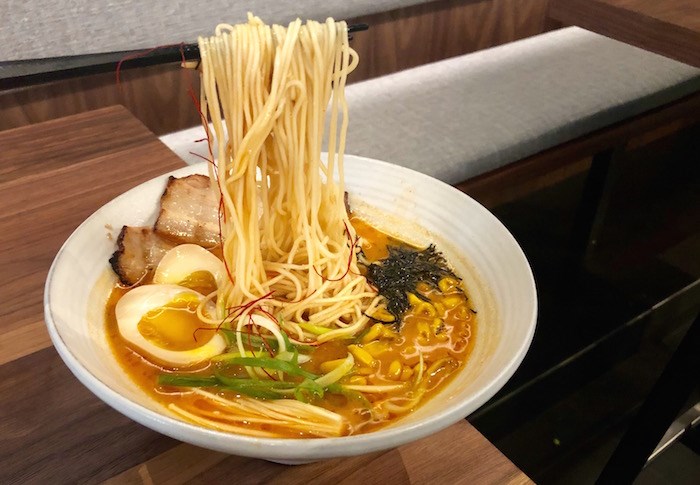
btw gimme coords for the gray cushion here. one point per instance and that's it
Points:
(32, 29)
(467, 115)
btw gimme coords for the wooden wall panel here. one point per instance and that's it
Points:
(426, 33)
(155, 95)
(396, 40)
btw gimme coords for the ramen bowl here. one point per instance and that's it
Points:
(413, 206)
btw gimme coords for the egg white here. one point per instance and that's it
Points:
(132, 307)
(186, 259)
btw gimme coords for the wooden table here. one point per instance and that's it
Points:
(667, 27)
(52, 429)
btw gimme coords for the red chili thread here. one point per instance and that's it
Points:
(249, 331)
(221, 211)
(218, 327)
(307, 296)
(352, 253)
(268, 315)
(266, 344)
(233, 312)
(274, 319)
(253, 302)
(268, 374)
(144, 53)
(205, 124)
(252, 324)
(202, 157)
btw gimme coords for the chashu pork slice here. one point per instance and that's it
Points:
(189, 211)
(139, 250)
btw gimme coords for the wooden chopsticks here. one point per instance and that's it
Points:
(187, 54)
(14, 74)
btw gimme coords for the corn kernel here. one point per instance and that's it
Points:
(358, 381)
(462, 313)
(452, 301)
(426, 309)
(414, 300)
(442, 337)
(330, 365)
(423, 287)
(406, 373)
(376, 380)
(376, 348)
(383, 314)
(362, 355)
(439, 308)
(421, 307)
(424, 333)
(373, 333)
(394, 370)
(388, 332)
(447, 283)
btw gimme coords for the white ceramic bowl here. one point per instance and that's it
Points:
(414, 205)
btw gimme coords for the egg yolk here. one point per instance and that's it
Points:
(200, 281)
(176, 326)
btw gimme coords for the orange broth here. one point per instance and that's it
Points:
(442, 330)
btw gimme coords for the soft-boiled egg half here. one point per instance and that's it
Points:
(192, 266)
(160, 319)
(162, 322)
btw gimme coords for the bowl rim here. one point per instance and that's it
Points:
(291, 448)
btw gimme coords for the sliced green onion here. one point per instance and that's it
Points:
(263, 389)
(285, 337)
(293, 357)
(314, 329)
(179, 380)
(350, 394)
(338, 373)
(376, 389)
(288, 343)
(270, 363)
(243, 382)
(229, 336)
(253, 391)
(255, 340)
(230, 355)
(308, 390)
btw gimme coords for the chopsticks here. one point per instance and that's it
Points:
(188, 53)
(16, 74)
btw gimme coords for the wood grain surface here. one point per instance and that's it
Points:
(397, 40)
(52, 429)
(433, 31)
(669, 27)
(52, 176)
